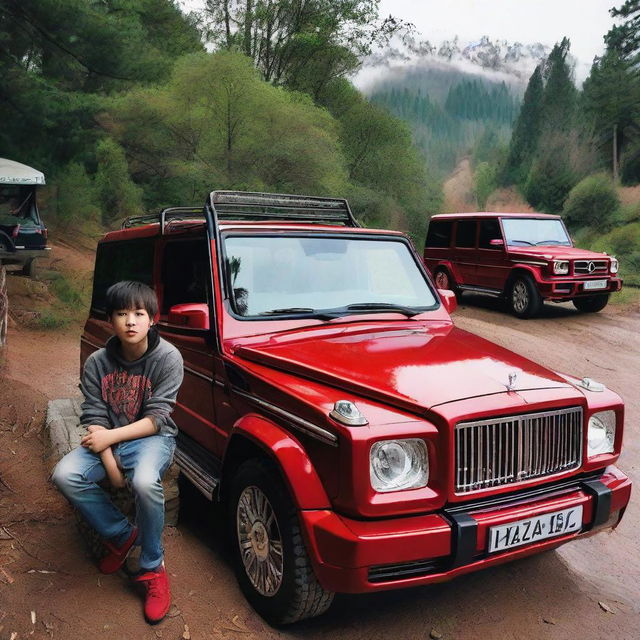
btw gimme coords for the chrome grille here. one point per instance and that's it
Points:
(590, 267)
(495, 452)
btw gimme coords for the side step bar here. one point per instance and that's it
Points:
(197, 464)
(473, 289)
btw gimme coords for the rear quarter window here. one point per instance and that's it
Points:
(115, 261)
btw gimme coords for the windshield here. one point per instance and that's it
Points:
(271, 276)
(535, 232)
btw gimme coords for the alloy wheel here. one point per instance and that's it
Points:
(260, 541)
(520, 296)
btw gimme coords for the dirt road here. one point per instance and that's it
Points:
(587, 589)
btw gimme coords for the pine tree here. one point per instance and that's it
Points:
(526, 132)
(559, 98)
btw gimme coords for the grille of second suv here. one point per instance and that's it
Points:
(590, 267)
(495, 452)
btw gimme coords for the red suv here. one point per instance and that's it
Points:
(523, 257)
(358, 440)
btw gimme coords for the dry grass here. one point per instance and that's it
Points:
(629, 195)
(508, 200)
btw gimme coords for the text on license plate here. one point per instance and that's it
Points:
(595, 284)
(549, 525)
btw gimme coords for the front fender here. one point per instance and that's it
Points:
(297, 470)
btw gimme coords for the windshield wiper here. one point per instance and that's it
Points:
(524, 242)
(383, 306)
(307, 311)
(550, 242)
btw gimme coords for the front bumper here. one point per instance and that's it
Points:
(569, 288)
(356, 556)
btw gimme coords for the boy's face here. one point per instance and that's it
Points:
(131, 325)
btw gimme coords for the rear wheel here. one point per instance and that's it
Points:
(523, 297)
(591, 304)
(272, 565)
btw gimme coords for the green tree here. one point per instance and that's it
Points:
(526, 132)
(484, 183)
(76, 201)
(118, 195)
(592, 202)
(301, 43)
(559, 97)
(59, 59)
(237, 131)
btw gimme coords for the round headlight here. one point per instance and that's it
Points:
(613, 266)
(561, 267)
(601, 433)
(398, 464)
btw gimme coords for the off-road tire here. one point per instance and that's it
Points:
(523, 298)
(591, 304)
(299, 594)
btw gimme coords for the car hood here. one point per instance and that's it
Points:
(552, 252)
(412, 365)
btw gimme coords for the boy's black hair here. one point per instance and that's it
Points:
(129, 294)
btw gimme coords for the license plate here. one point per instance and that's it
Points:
(550, 525)
(595, 284)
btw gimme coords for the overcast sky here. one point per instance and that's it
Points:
(584, 22)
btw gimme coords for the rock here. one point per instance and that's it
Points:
(435, 635)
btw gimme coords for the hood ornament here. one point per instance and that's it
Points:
(513, 377)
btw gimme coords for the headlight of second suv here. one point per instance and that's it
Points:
(561, 267)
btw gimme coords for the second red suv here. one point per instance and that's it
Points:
(525, 257)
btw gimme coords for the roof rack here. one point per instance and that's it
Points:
(165, 217)
(245, 205)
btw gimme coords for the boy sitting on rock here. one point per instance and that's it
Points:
(130, 389)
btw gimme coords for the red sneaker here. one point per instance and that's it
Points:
(117, 555)
(158, 596)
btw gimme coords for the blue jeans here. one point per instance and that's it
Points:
(143, 462)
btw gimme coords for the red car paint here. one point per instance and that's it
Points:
(491, 261)
(268, 385)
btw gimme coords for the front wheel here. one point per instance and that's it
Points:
(523, 297)
(272, 565)
(591, 304)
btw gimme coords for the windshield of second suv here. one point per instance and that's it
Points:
(535, 232)
(323, 276)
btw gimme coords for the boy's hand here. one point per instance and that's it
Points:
(97, 440)
(92, 428)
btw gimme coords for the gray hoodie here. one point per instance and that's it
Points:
(118, 392)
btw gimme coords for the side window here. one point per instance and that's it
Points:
(489, 230)
(115, 261)
(466, 233)
(439, 234)
(186, 276)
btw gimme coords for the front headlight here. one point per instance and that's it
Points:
(601, 433)
(613, 267)
(398, 464)
(561, 267)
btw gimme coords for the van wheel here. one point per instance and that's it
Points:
(591, 304)
(271, 561)
(523, 297)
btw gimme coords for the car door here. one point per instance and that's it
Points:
(464, 250)
(185, 278)
(493, 269)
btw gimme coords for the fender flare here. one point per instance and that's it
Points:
(299, 474)
(516, 270)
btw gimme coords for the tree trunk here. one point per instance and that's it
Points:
(248, 26)
(4, 308)
(615, 154)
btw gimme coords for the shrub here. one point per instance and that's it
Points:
(485, 183)
(76, 198)
(592, 202)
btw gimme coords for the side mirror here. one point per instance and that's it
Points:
(496, 242)
(192, 315)
(448, 300)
